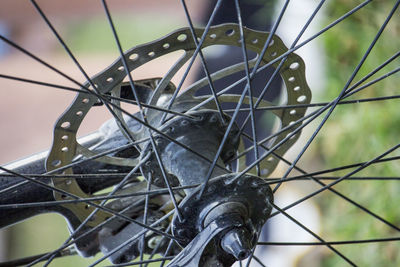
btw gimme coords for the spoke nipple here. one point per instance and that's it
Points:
(154, 241)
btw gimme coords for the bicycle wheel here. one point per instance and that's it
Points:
(186, 170)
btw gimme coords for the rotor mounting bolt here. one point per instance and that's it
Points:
(213, 118)
(266, 211)
(154, 241)
(182, 232)
(159, 141)
(171, 129)
(254, 184)
(261, 191)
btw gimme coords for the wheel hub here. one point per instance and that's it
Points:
(202, 134)
(245, 200)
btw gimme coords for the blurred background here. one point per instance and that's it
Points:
(354, 133)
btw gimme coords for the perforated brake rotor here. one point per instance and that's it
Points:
(65, 146)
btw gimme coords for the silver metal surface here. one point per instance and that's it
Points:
(65, 146)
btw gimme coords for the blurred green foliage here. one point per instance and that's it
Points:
(41, 234)
(94, 35)
(360, 132)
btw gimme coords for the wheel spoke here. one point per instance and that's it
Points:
(363, 166)
(277, 69)
(62, 202)
(342, 93)
(163, 106)
(331, 178)
(346, 242)
(127, 242)
(334, 191)
(269, 64)
(313, 234)
(203, 61)
(240, 102)
(144, 261)
(249, 87)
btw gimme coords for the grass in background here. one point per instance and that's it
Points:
(360, 132)
(93, 35)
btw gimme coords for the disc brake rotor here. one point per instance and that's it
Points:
(158, 91)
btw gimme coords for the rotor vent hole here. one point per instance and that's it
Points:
(65, 125)
(270, 159)
(56, 162)
(297, 88)
(64, 149)
(151, 54)
(273, 54)
(301, 98)
(134, 57)
(293, 112)
(213, 36)
(230, 32)
(291, 137)
(79, 113)
(254, 41)
(182, 37)
(166, 46)
(292, 79)
(271, 43)
(64, 137)
(85, 100)
(121, 68)
(294, 66)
